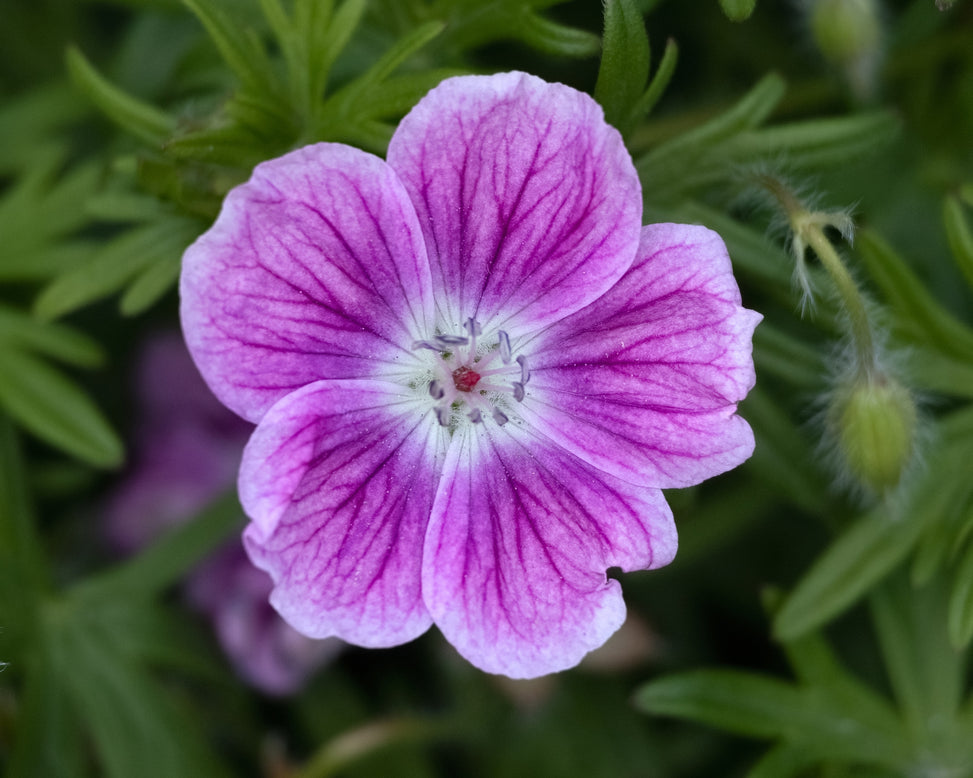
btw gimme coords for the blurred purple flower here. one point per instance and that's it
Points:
(472, 372)
(187, 451)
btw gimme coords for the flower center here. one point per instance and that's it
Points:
(474, 377)
(465, 378)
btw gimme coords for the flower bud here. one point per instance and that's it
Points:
(848, 34)
(876, 422)
(845, 30)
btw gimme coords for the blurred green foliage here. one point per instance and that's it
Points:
(833, 625)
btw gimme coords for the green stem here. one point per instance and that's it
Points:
(854, 303)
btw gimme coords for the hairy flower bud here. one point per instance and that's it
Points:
(876, 423)
(848, 34)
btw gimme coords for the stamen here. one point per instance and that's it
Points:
(442, 415)
(451, 340)
(505, 353)
(500, 417)
(425, 344)
(436, 390)
(524, 370)
(472, 326)
(519, 393)
(475, 416)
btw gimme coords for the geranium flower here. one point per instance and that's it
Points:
(472, 371)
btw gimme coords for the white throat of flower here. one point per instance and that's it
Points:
(474, 377)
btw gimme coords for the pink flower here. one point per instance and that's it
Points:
(472, 371)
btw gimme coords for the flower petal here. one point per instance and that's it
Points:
(528, 200)
(314, 269)
(339, 479)
(644, 382)
(520, 538)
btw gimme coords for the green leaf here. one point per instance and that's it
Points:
(960, 619)
(926, 673)
(48, 735)
(142, 120)
(55, 409)
(126, 712)
(116, 264)
(624, 67)
(49, 338)
(659, 82)
(917, 311)
(871, 547)
(240, 48)
(666, 162)
(553, 38)
(960, 236)
(151, 284)
(783, 762)
(738, 10)
(168, 559)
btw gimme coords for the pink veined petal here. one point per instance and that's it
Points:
(339, 480)
(521, 537)
(644, 382)
(315, 268)
(528, 200)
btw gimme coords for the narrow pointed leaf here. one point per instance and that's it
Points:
(553, 38)
(142, 120)
(150, 286)
(624, 67)
(917, 310)
(960, 236)
(49, 338)
(52, 407)
(116, 264)
(960, 621)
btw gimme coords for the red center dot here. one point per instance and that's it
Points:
(465, 379)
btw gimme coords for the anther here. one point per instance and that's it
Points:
(452, 340)
(524, 370)
(519, 393)
(425, 344)
(472, 326)
(500, 417)
(436, 390)
(442, 415)
(475, 416)
(505, 352)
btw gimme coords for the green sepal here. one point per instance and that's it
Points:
(55, 409)
(738, 10)
(624, 68)
(960, 236)
(121, 260)
(142, 120)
